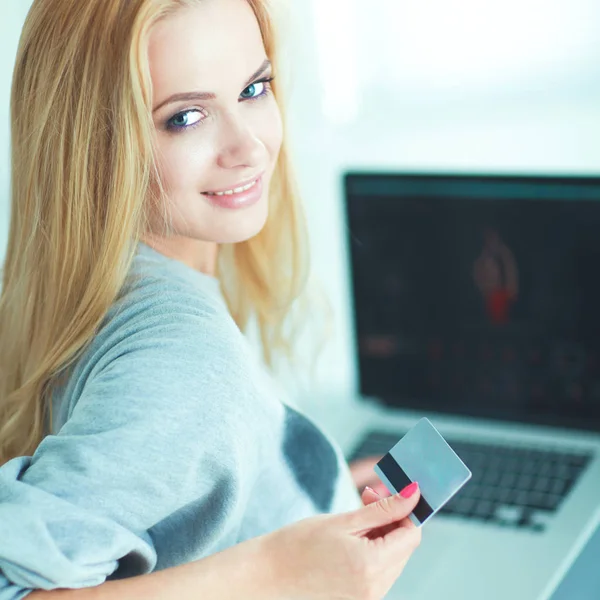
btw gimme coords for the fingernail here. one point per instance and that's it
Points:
(409, 490)
(370, 489)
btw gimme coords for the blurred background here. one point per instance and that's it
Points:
(466, 85)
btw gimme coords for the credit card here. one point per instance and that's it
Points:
(424, 456)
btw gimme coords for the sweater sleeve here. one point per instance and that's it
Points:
(161, 425)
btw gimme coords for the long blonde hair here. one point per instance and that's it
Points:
(82, 173)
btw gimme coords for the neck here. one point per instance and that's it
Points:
(197, 254)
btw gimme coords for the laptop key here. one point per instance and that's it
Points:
(524, 482)
(485, 510)
(530, 467)
(559, 487)
(552, 501)
(489, 493)
(508, 480)
(537, 501)
(509, 514)
(562, 470)
(465, 505)
(542, 484)
(491, 477)
(540, 520)
(520, 498)
(471, 491)
(578, 460)
(504, 494)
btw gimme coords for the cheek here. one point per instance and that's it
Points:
(183, 162)
(271, 132)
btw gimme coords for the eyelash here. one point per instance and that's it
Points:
(174, 128)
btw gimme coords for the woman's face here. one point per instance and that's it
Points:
(218, 125)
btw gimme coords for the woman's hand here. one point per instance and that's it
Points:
(351, 556)
(363, 475)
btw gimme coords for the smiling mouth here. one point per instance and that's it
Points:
(237, 190)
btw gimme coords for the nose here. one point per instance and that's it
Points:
(240, 147)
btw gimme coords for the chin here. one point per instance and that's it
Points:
(242, 226)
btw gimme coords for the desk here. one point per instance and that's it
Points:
(582, 582)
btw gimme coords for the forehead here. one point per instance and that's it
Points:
(205, 47)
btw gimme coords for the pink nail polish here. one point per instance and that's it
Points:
(409, 490)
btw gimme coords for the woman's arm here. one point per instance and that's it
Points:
(243, 571)
(354, 555)
(152, 469)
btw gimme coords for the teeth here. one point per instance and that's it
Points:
(237, 190)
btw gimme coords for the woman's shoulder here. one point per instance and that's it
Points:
(169, 317)
(158, 283)
(161, 295)
(161, 333)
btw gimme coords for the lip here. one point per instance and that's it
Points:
(240, 200)
(237, 185)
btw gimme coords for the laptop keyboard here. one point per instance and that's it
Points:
(511, 486)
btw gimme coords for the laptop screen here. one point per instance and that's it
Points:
(478, 295)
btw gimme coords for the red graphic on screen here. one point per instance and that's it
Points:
(497, 278)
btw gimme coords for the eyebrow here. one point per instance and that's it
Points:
(209, 95)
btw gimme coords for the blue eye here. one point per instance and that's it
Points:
(256, 90)
(185, 119)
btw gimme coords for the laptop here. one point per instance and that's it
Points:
(476, 303)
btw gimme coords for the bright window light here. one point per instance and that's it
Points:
(337, 34)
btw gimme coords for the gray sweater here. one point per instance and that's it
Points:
(169, 442)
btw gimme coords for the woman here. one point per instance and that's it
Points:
(153, 220)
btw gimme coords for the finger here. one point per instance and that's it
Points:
(382, 490)
(381, 532)
(388, 510)
(407, 523)
(373, 482)
(369, 496)
(403, 539)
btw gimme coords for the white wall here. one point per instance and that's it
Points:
(447, 85)
(470, 85)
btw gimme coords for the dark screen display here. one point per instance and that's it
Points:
(478, 296)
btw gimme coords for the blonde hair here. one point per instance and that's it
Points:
(82, 173)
